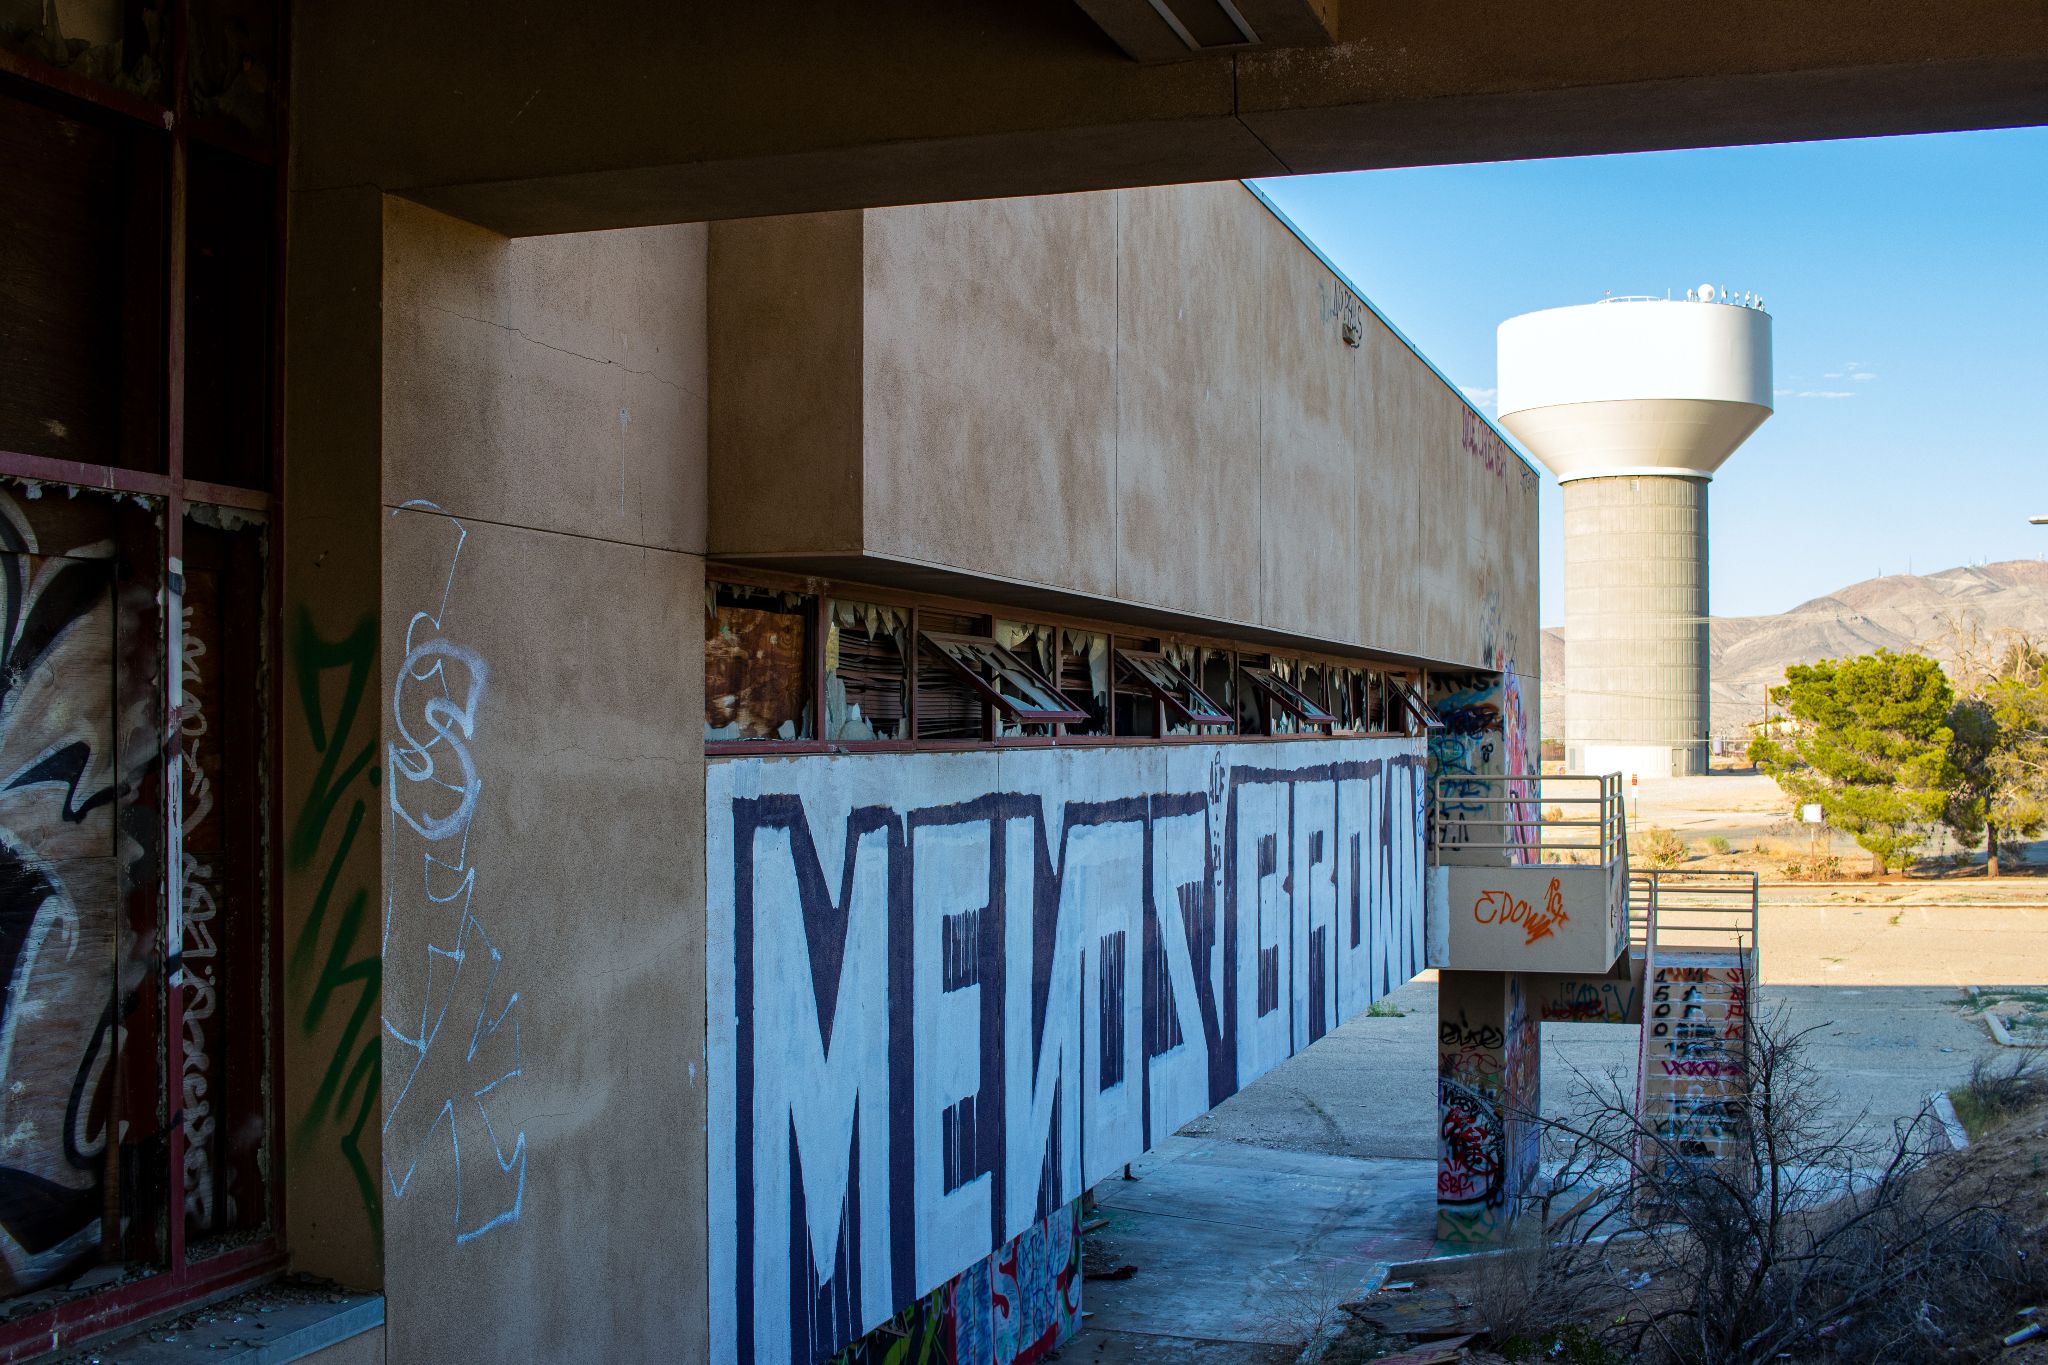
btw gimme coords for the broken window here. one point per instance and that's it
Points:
(1038, 647)
(1287, 709)
(756, 663)
(1083, 678)
(1003, 680)
(867, 681)
(1187, 708)
(1133, 707)
(1418, 717)
(948, 707)
(1343, 700)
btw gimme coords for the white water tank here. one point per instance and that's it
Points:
(1633, 404)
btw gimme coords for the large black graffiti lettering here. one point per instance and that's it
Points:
(937, 1019)
(67, 961)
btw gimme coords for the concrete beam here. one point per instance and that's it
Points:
(621, 116)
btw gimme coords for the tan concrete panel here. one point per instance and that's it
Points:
(991, 396)
(1189, 367)
(557, 383)
(786, 384)
(1521, 534)
(1308, 447)
(1451, 613)
(1388, 494)
(544, 958)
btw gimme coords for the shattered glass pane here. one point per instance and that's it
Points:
(865, 685)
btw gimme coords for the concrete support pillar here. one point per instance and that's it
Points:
(1636, 653)
(1488, 1097)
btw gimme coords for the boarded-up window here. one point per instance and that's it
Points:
(221, 737)
(81, 955)
(866, 671)
(756, 663)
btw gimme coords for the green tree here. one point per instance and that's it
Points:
(2001, 751)
(1870, 741)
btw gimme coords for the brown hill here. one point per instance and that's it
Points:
(1926, 613)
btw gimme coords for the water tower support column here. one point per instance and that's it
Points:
(1636, 649)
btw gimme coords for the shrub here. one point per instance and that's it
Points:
(1660, 848)
(1718, 844)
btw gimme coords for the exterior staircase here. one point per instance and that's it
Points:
(1698, 946)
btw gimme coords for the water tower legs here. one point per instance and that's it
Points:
(1635, 604)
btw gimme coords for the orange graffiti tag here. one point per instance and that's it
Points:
(1502, 907)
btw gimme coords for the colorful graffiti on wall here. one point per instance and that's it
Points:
(1488, 1099)
(81, 845)
(950, 991)
(1516, 757)
(448, 1015)
(1467, 748)
(334, 965)
(1013, 1307)
(1694, 1054)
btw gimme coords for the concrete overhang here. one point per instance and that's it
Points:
(545, 120)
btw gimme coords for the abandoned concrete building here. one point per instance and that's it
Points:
(642, 721)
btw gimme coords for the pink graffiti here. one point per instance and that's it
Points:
(1703, 1068)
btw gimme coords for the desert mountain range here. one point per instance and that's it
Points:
(1920, 612)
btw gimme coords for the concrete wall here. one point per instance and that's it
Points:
(331, 548)
(1144, 398)
(951, 991)
(543, 416)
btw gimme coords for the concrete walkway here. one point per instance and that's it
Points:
(1245, 1245)
(1250, 1226)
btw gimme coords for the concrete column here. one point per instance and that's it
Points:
(1488, 1094)
(331, 544)
(1636, 654)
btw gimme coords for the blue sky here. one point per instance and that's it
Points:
(1907, 279)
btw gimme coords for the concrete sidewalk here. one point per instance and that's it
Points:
(1258, 1218)
(1243, 1248)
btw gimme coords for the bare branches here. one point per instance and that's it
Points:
(1789, 1236)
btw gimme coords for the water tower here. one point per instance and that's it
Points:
(1633, 404)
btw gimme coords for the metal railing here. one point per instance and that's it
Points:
(1529, 818)
(1699, 910)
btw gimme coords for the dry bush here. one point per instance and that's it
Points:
(1659, 847)
(1998, 1088)
(1813, 1243)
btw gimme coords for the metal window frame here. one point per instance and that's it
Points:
(1140, 661)
(1277, 690)
(1425, 715)
(167, 125)
(945, 645)
(1389, 674)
